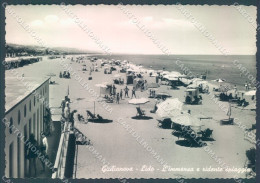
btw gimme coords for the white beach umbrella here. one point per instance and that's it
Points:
(138, 101)
(165, 72)
(192, 86)
(100, 85)
(219, 80)
(169, 108)
(163, 94)
(187, 120)
(173, 79)
(251, 93)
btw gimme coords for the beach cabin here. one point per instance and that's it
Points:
(173, 82)
(129, 79)
(106, 89)
(192, 96)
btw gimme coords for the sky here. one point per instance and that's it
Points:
(121, 35)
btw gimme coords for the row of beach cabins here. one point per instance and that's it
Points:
(15, 62)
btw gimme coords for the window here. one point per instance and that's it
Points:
(24, 112)
(19, 117)
(11, 123)
(34, 100)
(11, 160)
(18, 157)
(30, 106)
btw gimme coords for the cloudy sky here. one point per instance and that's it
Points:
(117, 31)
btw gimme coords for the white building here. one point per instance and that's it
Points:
(25, 111)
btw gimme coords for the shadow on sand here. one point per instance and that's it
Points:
(186, 143)
(142, 117)
(100, 120)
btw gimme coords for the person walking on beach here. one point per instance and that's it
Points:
(235, 88)
(114, 90)
(117, 98)
(126, 91)
(246, 85)
(133, 92)
(121, 94)
(32, 155)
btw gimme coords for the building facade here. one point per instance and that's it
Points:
(26, 116)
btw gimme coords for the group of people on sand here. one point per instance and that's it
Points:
(66, 74)
(126, 89)
(247, 86)
(119, 95)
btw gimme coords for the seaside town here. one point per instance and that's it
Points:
(76, 111)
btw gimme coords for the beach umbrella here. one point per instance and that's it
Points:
(173, 79)
(163, 94)
(150, 71)
(130, 70)
(138, 101)
(192, 86)
(154, 74)
(219, 80)
(169, 108)
(101, 85)
(233, 92)
(159, 71)
(182, 76)
(251, 93)
(187, 120)
(165, 72)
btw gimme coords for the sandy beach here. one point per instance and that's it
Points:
(118, 147)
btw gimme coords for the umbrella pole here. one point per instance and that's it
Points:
(94, 108)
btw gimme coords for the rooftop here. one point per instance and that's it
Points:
(17, 89)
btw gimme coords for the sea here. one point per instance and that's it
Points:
(215, 66)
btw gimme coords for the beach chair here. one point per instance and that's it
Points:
(140, 112)
(206, 133)
(109, 100)
(90, 115)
